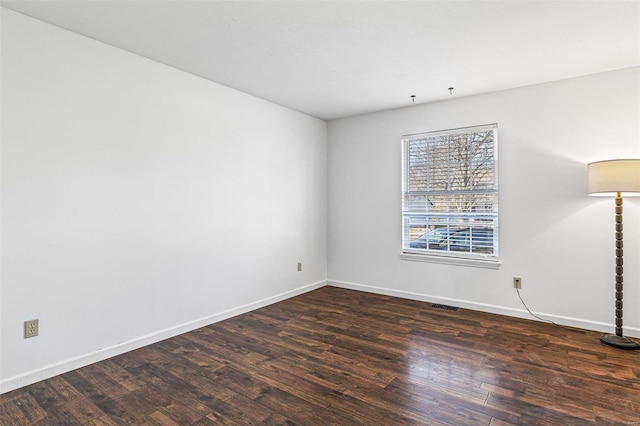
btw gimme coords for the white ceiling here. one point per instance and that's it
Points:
(333, 59)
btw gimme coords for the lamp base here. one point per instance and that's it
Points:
(620, 342)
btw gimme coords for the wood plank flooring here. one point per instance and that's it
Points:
(335, 356)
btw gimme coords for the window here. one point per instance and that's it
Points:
(450, 193)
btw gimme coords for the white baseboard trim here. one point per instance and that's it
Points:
(24, 379)
(483, 307)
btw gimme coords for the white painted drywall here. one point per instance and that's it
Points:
(139, 201)
(559, 240)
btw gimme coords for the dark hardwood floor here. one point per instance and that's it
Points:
(335, 356)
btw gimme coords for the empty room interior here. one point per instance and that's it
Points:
(320, 212)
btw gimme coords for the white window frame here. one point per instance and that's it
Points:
(409, 212)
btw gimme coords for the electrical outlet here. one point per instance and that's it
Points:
(31, 328)
(517, 282)
(299, 266)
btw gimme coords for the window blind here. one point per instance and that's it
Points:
(450, 191)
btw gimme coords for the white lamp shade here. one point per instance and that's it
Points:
(607, 178)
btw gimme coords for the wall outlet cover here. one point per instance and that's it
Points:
(31, 328)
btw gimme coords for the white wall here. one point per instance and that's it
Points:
(559, 240)
(139, 201)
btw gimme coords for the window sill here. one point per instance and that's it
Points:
(476, 262)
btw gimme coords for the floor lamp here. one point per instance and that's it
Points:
(616, 178)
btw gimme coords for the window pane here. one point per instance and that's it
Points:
(450, 192)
